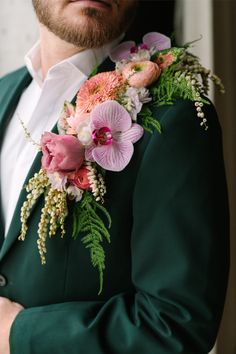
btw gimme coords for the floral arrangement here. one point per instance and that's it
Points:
(97, 134)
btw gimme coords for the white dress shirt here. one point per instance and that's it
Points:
(39, 108)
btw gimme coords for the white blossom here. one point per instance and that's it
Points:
(84, 133)
(134, 99)
(58, 180)
(142, 54)
(74, 193)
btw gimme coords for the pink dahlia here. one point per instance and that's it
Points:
(100, 88)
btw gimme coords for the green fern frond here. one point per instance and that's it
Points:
(148, 122)
(87, 221)
(183, 79)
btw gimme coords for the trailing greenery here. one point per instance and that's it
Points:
(148, 122)
(184, 79)
(86, 220)
(172, 84)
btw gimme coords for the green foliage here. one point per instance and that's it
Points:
(148, 122)
(174, 85)
(185, 79)
(86, 220)
(94, 72)
(169, 88)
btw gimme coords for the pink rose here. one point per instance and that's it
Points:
(165, 60)
(80, 178)
(61, 153)
(141, 73)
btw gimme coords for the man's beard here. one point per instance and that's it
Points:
(95, 33)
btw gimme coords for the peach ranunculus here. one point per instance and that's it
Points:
(80, 178)
(61, 153)
(141, 73)
(100, 88)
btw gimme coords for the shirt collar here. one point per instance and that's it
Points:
(83, 62)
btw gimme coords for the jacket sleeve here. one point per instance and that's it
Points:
(179, 248)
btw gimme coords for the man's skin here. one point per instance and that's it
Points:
(109, 19)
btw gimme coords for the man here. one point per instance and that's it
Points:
(166, 267)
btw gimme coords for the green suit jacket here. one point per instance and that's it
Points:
(167, 264)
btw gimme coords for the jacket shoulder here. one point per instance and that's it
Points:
(183, 114)
(12, 84)
(13, 77)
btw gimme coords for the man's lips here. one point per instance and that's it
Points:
(107, 3)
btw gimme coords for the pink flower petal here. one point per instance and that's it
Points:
(76, 119)
(158, 40)
(122, 51)
(62, 124)
(133, 134)
(114, 157)
(112, 115)
(89, 153)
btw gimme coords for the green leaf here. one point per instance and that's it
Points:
(94, 72)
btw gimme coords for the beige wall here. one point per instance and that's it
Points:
(194, 20)
(18, 31)
(215, 20)
(225, 59)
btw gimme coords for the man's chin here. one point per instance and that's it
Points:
(85, 23)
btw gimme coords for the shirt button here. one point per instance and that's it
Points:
(3, 281)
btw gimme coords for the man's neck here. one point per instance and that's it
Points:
(54, 50)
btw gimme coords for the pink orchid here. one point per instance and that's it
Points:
(113, 136)
(152, 39)
(157, 40)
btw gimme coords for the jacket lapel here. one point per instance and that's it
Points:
(12, 91)
(15, 226)
(13, 86)
(14, 229)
